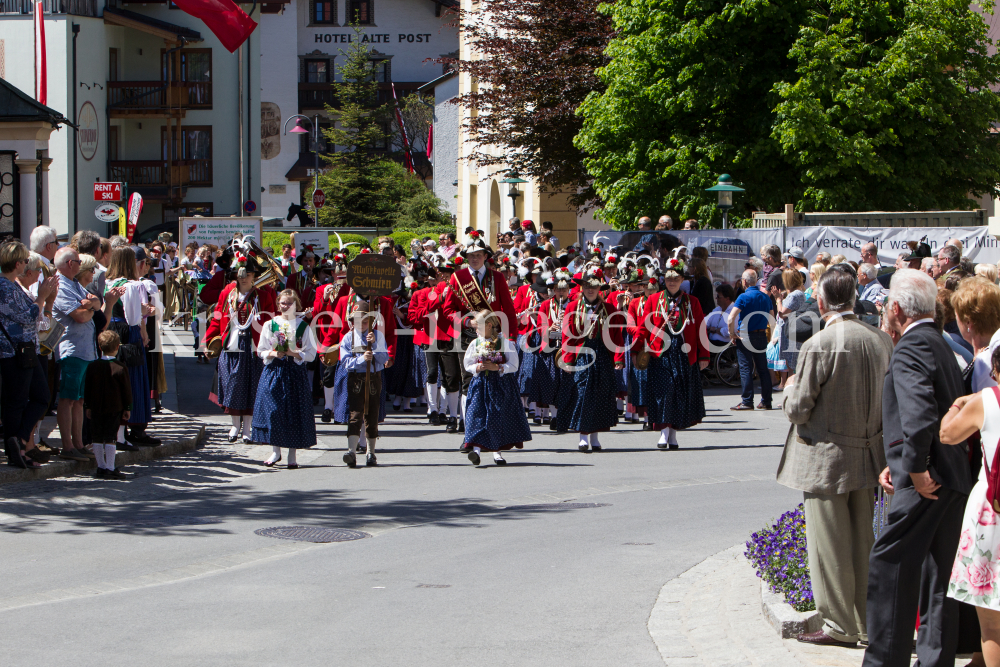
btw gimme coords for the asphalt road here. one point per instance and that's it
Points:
(465, 565)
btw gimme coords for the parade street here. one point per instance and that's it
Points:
(555, 559)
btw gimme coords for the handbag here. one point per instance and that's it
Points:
(993, 471)
(24, 352)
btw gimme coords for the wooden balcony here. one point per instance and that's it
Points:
(157, 99)
(156, 181)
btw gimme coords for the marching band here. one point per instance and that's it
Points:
(489, 342)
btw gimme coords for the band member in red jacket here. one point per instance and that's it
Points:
(303, 283)
(232, 335)
(592, 348)
(443, 363)
(677, 356)
(473, 289)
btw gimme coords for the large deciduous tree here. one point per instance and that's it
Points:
(839, 105)
(535, 63)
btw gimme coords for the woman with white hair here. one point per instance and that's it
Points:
(988, 271)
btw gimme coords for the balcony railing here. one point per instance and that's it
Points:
(154, 173)
(75, 7)
(154, 96)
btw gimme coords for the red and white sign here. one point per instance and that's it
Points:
(107, 191)
(134, 209)
(319, 199)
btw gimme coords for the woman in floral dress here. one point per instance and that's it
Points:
(975, 577)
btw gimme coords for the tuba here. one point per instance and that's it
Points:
(270, 269)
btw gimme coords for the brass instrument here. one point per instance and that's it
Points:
(330, 357)
(214, 348)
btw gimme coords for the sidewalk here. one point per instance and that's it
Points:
(711, 615)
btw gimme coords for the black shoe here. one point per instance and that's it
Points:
(552, 425)
(662, 445)
(474, 458)
(395, 408)
(537, 420)
(452, 425)
(434, 418)
(350, 459)
(100, 473)
(13, 449)
(646, 426)
(115, 474)
(546, 420)
(157, 407)
(674, 446)
(327, 416)
(465, 448)
(461, 426)
(125, 447)
(596, 448)
(371, 461)
(499, 461)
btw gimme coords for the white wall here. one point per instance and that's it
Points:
(279, 85)
(444, 154)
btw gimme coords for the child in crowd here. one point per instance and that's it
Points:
(107, 399)
(494, 418)
(357, 359)
(282, 411)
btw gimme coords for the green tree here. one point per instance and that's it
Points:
(357, 183)
(832, 105)
(892, 107)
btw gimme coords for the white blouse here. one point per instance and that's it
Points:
(269, 339)
(472, 354)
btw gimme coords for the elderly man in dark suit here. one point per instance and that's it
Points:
(833, 454)
(912, 558)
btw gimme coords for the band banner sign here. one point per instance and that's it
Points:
(373, 275)
(979, 244)
(218, 231)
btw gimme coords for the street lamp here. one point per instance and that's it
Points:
(513, 180)
(725, 188)
(299, 129)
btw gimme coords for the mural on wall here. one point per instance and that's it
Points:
(89, 133)
(270, 128)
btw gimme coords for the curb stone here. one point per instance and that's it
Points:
(785, 620)
(185, 434)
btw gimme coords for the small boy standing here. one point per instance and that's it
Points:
(357, 359)
(107, 398)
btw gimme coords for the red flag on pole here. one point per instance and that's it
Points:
(407, 159)
(41, 68)
(430, 140)
(223, 17)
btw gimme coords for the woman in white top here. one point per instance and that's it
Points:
(975, 577)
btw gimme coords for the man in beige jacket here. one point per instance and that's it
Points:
(834, 454)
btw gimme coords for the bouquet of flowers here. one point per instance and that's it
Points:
(283, 338)
(491, 352)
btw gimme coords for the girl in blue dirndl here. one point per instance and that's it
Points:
(282, 411)
(494, 418)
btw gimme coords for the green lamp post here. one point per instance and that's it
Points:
(513, 180)
(725, 188)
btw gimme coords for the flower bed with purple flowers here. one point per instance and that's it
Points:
(778, 554)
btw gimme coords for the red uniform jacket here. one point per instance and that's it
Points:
(342, 315)
(500, 301)
(218, 326)
(415, 316)
(575, 328)
(655, 338)
(548, 316)
(213, 288)
(638, 314)
(526, 301)
(303, 286)
(324, 316)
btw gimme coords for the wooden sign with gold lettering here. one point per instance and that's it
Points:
(373, 275)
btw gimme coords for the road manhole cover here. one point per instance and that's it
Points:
(554, 506)
(164, 521)
(307, 534)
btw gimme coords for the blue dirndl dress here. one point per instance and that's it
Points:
(138, 376)
(282, 411)
(638, 380)
(538, 376)
(494, 418)
(239, 375)
(675, 388)
(586, 399)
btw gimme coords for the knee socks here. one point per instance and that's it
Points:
(104, 456)
(432, 397)
(406, 403)
(352, 443)
(121, 433)
(246, 426)
(235, 430)
(328, 398)
(584, 440)
(291, 457)
(275, 455)
(594, 442)
(462, 414)
(453, 398)
(363, 438)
